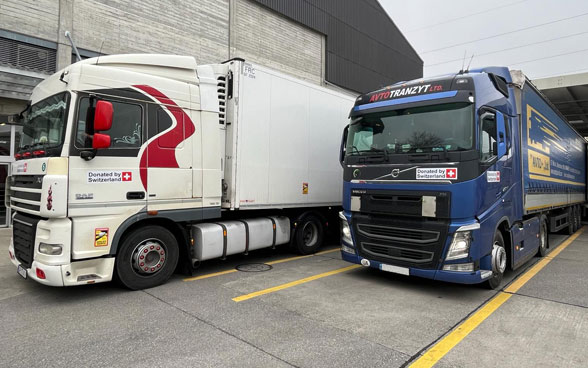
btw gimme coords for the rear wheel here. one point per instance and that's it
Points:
(499, 260)
(543, 241)
(309, 235)
(147, 257)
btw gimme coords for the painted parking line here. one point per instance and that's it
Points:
(294, 283)
(444, 346)
(289, 259)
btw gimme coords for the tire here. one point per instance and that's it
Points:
(498, 253)
(578, 218)
(309, 235)
(155, 267)
(543, 238)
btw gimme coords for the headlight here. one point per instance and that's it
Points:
(50, 249)
(345, 230)
(460, 246)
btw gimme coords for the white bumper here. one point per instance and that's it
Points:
(83, 272)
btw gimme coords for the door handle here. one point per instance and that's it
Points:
(135, 195)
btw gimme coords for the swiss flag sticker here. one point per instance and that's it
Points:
(450, 173)
(127, 176)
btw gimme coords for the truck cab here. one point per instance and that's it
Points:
(433, 179)
(106, 143)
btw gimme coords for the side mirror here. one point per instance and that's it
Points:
(343, 145)
(501, 130)
(100, 141)
(103, 116)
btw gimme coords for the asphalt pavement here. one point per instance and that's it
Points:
(312, 311)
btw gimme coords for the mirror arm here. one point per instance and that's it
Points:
(87, 155)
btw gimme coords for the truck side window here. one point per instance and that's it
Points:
(126, 131)
(487, 137)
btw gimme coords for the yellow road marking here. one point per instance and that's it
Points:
(522, 280)
(440, 349)
(270, 263)
(294, 283)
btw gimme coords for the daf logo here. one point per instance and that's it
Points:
(395, 173)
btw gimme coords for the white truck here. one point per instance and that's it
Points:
(128, 164)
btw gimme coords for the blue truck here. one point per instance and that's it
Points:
(458, 177)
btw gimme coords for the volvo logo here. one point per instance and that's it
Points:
(356, 173)
(395, 173)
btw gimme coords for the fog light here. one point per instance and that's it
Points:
(50, 249)
(40, 274)
(365, 262)
(347, 249)
(459, 267)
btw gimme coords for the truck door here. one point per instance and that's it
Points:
(105, 186)
(496, 151)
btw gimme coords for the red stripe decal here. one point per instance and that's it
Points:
(156, 156)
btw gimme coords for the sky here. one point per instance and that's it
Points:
(543, 38)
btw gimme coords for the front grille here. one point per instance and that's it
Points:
(398, 234)
(400, 241)
(24, 229)
(25, 193)
(400, 254)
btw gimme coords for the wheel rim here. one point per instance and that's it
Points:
(310, 234)
(149, 256)
(498, 258)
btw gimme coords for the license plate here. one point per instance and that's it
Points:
(394, 269)
(22, 271)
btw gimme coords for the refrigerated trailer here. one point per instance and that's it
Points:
(128, 164)
(457, 177)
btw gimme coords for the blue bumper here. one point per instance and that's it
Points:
(448, 276)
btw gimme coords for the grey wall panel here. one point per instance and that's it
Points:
(365, 50)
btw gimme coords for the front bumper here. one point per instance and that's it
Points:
(82, 272)
(475, 277)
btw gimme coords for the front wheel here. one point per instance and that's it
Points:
(499, 259)
(147, 257)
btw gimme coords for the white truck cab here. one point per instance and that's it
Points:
(128, 163)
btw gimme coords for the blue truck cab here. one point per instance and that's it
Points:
(458, 177)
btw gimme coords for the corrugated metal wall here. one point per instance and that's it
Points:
(364, 50)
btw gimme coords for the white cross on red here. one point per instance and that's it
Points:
(451, 173)
(127, 176)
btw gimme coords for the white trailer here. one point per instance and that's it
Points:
(131, 163)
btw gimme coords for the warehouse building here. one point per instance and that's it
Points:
(350, 44)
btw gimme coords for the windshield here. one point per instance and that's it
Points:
(437, 128)
(44, 123)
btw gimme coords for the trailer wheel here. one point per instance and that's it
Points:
(543, 240)
(577, 218)
(147, 257)
(309, 235)
(499, 260)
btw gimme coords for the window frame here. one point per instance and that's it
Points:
(111, 151)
